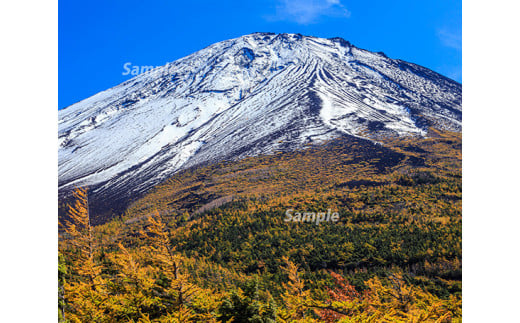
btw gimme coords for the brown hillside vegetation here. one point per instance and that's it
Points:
(211, 243)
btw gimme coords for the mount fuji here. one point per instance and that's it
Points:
(256, 94)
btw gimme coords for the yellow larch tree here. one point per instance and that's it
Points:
(296, 299)
(180, 291)
(85, 289)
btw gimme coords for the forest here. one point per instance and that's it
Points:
(211, 245)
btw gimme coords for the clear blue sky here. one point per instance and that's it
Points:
(96, 38)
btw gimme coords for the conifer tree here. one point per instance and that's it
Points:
(244, 305)
(296, 298)
(85, 292)
(133, 286)
(62, 272)
(179, 291)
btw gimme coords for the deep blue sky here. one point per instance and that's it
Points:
(96, 38)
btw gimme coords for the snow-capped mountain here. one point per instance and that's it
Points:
(246, 96)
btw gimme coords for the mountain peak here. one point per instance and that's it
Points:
(256, 94)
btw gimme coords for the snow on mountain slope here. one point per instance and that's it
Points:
(246, 96)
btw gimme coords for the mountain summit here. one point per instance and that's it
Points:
(251, 95)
